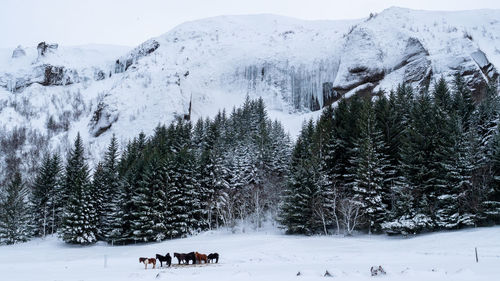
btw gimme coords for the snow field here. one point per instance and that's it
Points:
(266, 256)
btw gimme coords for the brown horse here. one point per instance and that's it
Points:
(147, 261)
(180, 257)
(201, 257)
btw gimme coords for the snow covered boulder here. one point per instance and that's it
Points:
(18, 52)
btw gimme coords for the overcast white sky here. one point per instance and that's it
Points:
(130, 22)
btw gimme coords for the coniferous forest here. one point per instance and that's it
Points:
(399, 163)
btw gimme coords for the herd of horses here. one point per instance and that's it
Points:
(193, 257)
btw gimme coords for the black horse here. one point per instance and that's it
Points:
(167, 259)
(191, 257)
(213, 256)
(185, 258)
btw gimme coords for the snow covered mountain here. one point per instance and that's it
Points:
(297, 67)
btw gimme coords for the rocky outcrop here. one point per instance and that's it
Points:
(361, 62)
(18, 52)
(58, 76)
(102, 119)
(417, 66)
(44, 48)
(45, 74)
(486, 67)
(142, 50)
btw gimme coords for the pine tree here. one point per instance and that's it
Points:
(14, 213)
(80, 216)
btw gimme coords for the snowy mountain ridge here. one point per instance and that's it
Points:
(297, 66)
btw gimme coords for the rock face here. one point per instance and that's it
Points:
(18, 52)
(487, 69)
(417, 66)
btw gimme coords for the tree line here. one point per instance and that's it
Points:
(400, 163)
(181, 180)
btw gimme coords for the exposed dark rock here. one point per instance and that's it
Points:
(102, 119)
(128, 63)
(119, 67)
(43, 48)
(18, 52)
(99, 75)
(358, 69)
(58, 76)
(361, 76)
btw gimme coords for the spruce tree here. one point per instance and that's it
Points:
(44, 198)
(110, 217)
(368, 165)
(15, 220)
(297, 209)
(79, 225)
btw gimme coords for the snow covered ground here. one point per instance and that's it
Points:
(267, 255)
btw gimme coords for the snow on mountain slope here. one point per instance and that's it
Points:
(266, 256)
(297, 67)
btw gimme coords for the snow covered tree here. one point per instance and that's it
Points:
(79, 224)
(108, 184)
(44, 201)
(297, 208)
(150, 201)
(15, 220)
(368, 165)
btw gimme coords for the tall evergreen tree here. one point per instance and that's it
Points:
(368, 165)
(110, 216)
(14, 212)
(44, 198)
(80, 216)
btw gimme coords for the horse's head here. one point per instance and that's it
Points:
(142, 260)
(176, 255)
(168, 255)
